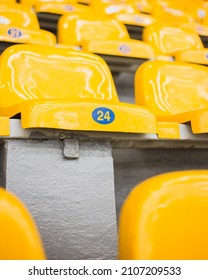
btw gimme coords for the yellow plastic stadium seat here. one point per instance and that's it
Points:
(174, 92)
(182, 43)
(49, 12)
(19, 238)
(59, 88)
(19, 16)
(164, 218)
(10, 35)
(105, 37)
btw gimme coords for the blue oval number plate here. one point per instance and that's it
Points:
(14, 32)
(103, 115)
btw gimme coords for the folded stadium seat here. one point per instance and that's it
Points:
(125, 13)
(73, 91)
(19, 238)
(164, 218)
(19, 24)
(48, 13)
(174, 92)
(107, 38)
(182, 44)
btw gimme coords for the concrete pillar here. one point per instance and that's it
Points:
(69, 189)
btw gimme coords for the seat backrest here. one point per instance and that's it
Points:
(172, 90)
(29, 72)
(165, 218)
(169, 40)
(76, 28)
(19, 238)
(18, 15)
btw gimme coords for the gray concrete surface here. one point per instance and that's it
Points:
(72, 201)
(132, 166)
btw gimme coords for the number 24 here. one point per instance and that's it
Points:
(102, 116)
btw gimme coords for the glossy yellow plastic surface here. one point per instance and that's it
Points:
(128, 48)
(19, 238)
(4, 126)
(7, 1)
(137, 19)
(171, 16)
(78, 28)
(173, 91)
(164, 218)
(24, 35)
(170, 40)
(33, 2)
(168, 130)
(60, 88)
(19, 16)
(60, 8)
(201, 29)
(29, 3)
(193, 56)
(112, 8)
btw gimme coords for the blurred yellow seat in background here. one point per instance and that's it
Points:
(182, 43)
(174, 92)
(164, 218)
